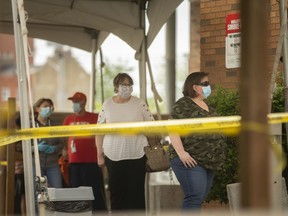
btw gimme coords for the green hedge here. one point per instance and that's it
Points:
(226, 103)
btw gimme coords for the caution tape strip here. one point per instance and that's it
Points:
(229, 125)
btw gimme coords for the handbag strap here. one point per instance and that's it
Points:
(153, 141)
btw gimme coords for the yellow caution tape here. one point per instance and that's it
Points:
(229, 125)
(279, 154)
(3, 163)
(182, 127)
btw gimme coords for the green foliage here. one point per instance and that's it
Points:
(278, 105)
(152, 105)
(226, 176)
(278, 100)
(226, 103)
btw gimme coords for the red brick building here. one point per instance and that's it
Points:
(8, 74)
(212, 28)
(55, 79)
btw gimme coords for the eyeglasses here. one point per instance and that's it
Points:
(125, 84)
(206, 83)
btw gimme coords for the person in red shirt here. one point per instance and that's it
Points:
(82, 153)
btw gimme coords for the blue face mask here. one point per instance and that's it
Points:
(76, 107)
(45, 112)
(206, 91)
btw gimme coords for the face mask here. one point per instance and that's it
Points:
(125, 91)
(206, 90)
(45, 112)
(76, 107)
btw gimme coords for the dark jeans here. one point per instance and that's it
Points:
(196, 183)
(54, 176)
(89, 174)
(127, 184)
(19, 191)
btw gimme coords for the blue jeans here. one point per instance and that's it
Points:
(196, 183)
(54, 176)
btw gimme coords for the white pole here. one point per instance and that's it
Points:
(170, 62)
(142, 61)
(101, 75)
(24, 110)
(93, 75)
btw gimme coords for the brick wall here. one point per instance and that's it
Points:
(212, 39)
(274, 31)
(8, 50)
(8, 74)
(8, 84)
(194, 63)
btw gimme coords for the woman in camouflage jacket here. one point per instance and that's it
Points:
(194, 158)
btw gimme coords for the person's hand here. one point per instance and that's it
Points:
(50, 149)
(101, 160)
(65, 154)
(43, 146)
(187, 160)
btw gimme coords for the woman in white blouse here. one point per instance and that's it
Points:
(123, 154)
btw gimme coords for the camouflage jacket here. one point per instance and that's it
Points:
(209, 150)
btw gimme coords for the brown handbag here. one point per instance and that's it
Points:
(157, 157)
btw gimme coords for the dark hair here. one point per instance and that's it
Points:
(119, 78)
(41, 101)
(193, 78)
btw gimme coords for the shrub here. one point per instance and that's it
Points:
(226, 103)
(278, 105)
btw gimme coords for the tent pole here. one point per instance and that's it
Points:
(170, 61)
(24, 107)
(142, 62)
(93, 75)
(142, 73)
(102, 64)
(282, 8)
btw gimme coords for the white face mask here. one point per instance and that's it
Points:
(125, 91)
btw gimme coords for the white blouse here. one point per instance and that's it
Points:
(124, 147)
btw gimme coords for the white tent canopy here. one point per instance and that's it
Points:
(82, 24)
(85, 24)
(76, 22)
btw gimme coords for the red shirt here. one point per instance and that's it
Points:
(82, 149)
